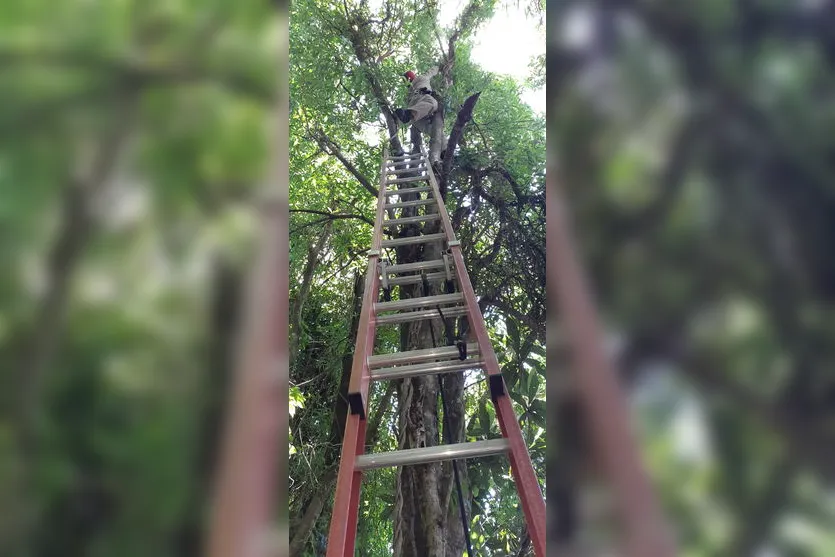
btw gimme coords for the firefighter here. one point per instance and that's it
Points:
(421, 101)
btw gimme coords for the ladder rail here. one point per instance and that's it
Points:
(343, 528)
(527, 484)
(342, 533)
(646, 533)
(360, 375)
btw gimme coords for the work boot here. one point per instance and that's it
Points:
(403, 115)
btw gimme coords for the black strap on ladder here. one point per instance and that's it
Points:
(447, 430)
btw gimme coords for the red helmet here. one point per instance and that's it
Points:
(410, 75)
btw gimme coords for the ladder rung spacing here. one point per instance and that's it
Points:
(418, 356)
(416, 203)
(407, 180)
(407, 191)
(413, 240)
(416, 279)
(424, 455)
(421, 315)
(422, 302)
(419, 266)
(432, 368)
(411, 220)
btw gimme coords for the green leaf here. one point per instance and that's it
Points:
(484, 418)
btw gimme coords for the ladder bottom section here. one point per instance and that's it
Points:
(406, 457)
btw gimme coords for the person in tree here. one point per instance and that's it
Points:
(421, 101)
(422, 104)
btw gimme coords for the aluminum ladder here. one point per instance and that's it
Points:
(411, 174)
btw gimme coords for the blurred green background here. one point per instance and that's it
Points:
(134, 137)
(694, 143)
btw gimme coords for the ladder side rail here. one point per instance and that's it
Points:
(527, 484)
(343, 528)
(360, 374)
(356, 486)
(647, 534)
(524, 476)
(377, 238)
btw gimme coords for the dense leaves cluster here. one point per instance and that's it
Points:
(691, 142)
(132, 136)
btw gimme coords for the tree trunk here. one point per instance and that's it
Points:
(313, 252)
(189, 537)
(77, 223)
(453, 393)
(437, 141)
(426, 519)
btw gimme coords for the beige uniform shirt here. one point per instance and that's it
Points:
(422, 104)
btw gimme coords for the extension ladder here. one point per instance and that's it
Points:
(411, 174)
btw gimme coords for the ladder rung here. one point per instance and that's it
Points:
(417, 203)
(407, 156)
(423, 301)
(415, 279)
(419, 266)
(406, 191)
(398, 171)
(474, 449)
(406, 180)
(414, 370)
(413, 240)
(405, 317)
(411, 220)
(418, 356)
(400, 167)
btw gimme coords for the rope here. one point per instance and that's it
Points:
(447, 427)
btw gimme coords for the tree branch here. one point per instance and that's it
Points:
(464, 116)
(136, 72)
(297, 305)
(366, 61)
(78, 223)
(536, 327)
(524, 543)
(374, 423)
(335, 216)
(330, 147)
